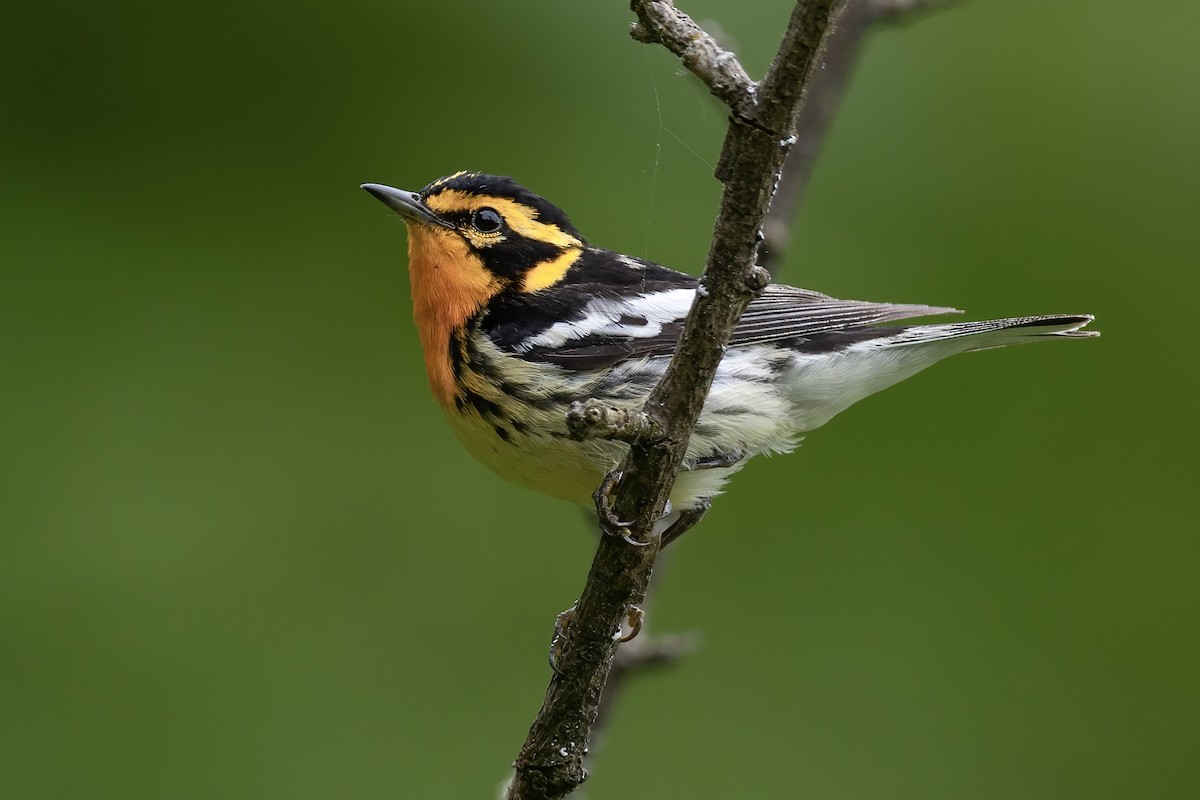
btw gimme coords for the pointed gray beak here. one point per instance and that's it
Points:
(406, 204)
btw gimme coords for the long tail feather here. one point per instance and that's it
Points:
(1000, 332)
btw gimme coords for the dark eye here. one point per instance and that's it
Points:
(486, 220)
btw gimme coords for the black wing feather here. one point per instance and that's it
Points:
(602, 300)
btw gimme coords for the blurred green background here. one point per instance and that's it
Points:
(242, 556)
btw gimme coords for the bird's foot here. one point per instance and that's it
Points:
(558, 642)
(634, 617)
(610, 523)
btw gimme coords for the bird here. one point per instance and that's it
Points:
(519, 315)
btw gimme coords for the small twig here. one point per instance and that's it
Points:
(662, 23)
(594, 419)
(643, 654)
(821, 101)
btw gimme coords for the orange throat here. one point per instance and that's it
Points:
(449, 286)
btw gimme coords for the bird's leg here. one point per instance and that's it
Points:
(715, 462)
(558, 642)
(685, 522)
(689, 518)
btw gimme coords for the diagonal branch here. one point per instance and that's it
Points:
(761, 132)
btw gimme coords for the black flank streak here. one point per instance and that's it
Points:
(484, 407)
(458, 356)
(522, 393)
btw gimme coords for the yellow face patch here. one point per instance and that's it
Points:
(520, 218)
(548, 273)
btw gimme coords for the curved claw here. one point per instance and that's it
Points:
(610, 523)
(634, 615)
(558, 642)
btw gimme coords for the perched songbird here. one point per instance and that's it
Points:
(519, 316)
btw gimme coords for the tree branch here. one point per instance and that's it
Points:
(761, 132)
